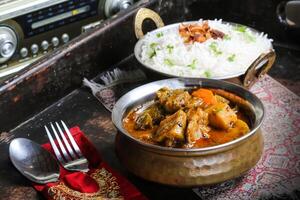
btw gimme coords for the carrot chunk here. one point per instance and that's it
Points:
(206, 95)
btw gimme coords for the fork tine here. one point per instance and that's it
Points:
(72, 154)
(75, 146)
(62, 148)
(56, 151)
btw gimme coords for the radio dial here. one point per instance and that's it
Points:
(8, 43)
(7, 49)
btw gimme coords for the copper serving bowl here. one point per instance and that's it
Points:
(188, 167)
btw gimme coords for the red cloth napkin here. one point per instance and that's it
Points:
(101, 182)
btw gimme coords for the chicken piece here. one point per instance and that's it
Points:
(177, 100)
(156, 112)
(163, 94)
(172, 100)
(151, 116)
(197, 125)
(143, 122)
(171, 130)
(221, 116)
(238, 129)
(221, 99)
(194, 102)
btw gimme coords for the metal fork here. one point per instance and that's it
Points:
(72, 158)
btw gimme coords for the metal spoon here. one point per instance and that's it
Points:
(34, 162)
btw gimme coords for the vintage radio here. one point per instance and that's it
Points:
(31, 28)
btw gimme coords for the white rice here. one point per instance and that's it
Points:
(166, 52)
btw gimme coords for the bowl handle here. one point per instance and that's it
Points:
(141, 15)
(253, 74)
(280, 12)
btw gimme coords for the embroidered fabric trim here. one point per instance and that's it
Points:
(109, 189)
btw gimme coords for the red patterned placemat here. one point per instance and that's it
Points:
(277, 174)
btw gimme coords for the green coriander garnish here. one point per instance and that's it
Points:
(159, 34)
(170, 48)
(231, 58)
(168, 62)
(249, 37)
(227, 37)
(240, 28)
(152, 54)
(207, 74)
(218, 110)
(153, 45)
(152, 51)
(193, 64)
(214, 48)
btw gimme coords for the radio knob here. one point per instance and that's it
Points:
(111, 7)
(24, 52)
(55, 41)
(8, 43)
(45, 45)
(125, 4)
(65, 38)
(34, 49)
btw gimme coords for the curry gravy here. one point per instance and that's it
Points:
(216, 136)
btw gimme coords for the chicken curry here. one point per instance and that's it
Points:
(189, 119)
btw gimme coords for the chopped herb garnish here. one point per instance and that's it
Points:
(218, 110)
(153, 45)
(170, 48)
(214, 48)
(249, 37)
(193, 64)
(168, 62)
(227, 37)
(240, 28)
(152, 52)
(207, 74)
(231, 58)
(159, 34)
